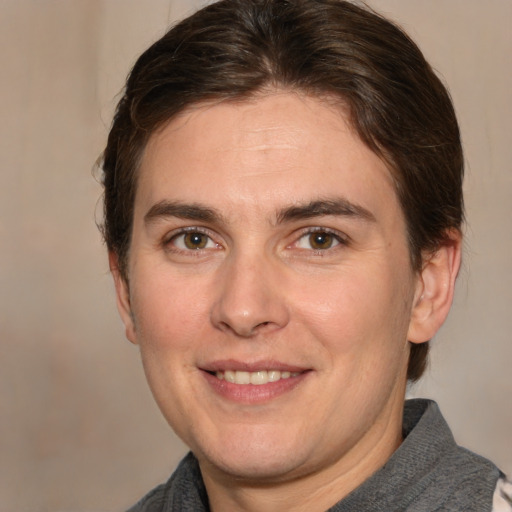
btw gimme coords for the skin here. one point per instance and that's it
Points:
(302, 264)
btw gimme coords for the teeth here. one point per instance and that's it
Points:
(256, 378)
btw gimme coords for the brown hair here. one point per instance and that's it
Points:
(234, 48)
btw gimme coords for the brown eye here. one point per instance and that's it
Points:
(318, 240)
(195, 240)
(192, 241)
(189, 241)
(321, 240)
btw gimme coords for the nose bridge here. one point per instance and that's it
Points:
(249, 298)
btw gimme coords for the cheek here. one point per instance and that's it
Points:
(170, 313)
(170, 319)
(357, 311)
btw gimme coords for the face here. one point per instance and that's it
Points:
(270, 288)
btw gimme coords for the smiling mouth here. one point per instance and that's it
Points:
(256, 378)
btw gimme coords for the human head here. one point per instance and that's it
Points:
(233, 49)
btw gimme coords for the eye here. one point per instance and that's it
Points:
(192, 241)
(319, 240)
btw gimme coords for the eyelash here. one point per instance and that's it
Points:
(169, 242)
(338, 239)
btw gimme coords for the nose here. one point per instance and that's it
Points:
(250, 298)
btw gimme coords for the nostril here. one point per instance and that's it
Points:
(245, 330)
(261, 325)
(250, 314)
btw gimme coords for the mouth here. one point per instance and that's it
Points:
(257, 378)
(253, 383)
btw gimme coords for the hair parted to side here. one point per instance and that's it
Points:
(233, 49)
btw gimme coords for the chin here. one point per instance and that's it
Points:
(258, 458)
(258, 467)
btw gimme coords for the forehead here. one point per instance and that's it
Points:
(274, 149)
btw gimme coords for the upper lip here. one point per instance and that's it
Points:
(255, 366)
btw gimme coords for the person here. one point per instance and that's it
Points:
(283, 215)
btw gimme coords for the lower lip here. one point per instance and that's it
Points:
(251, 393)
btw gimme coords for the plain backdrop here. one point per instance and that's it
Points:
(78, 428)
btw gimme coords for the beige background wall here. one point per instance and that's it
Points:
(78, 428)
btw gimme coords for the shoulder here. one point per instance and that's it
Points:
(502, 499)
(468, 482)
(449, 478)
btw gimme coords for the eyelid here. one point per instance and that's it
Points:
(175, 233)
(185, 229)
(342, 238)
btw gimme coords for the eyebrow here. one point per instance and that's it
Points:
(316, 208)
(325, 207)
(180, 210)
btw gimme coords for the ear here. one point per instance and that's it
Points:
(435, 289)
(123, 298)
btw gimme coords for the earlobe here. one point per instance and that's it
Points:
(123, 298)
(435, 289)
